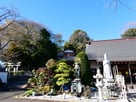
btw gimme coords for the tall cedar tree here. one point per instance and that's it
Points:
(85, 72)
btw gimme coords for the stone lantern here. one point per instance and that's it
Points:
(99, 84)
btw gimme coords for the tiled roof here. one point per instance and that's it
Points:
(116, 49)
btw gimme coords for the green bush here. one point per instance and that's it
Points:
(82, 58)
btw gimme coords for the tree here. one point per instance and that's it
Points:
(33, 54)
(130, 33)
(82, 59)
(7, 17)
(59, 41)
(63, 73)
(79, 39)
(47, 49)
(116, 3)
(51, 63)
(19, 31)
(69, 46)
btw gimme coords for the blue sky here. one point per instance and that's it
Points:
(96, 17)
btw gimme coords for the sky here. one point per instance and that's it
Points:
(100, 19)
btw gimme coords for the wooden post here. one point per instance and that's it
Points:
(131, 82)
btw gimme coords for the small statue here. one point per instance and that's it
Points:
(77, 70)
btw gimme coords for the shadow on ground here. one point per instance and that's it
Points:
(15, 83)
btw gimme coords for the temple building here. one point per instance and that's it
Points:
(120, 52)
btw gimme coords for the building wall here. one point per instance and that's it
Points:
(127, 71)
(123, 68)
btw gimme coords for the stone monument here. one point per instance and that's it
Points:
(107, 77)
(76, 86)
(107, 72)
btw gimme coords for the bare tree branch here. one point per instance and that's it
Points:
(117, 2)
(7, 17)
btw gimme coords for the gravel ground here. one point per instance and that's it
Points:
(8, 93)
(10, 96)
